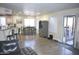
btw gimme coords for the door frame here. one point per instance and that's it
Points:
(74, 23)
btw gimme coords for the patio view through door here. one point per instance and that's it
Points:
(69, 30)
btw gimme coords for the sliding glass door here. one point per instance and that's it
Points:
(69, 28)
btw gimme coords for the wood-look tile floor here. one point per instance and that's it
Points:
(44, 46)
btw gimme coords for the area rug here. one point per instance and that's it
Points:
(22, 51)
(28, 51)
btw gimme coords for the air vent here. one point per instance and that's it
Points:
(6, 10)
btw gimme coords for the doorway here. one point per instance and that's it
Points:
(69, 30)
(29, 26)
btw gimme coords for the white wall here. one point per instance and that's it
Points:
(76, 41)
(37, 25)
(59, 18)
(52, 26)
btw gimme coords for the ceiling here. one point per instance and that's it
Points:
(40, 7)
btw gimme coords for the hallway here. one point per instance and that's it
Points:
(44, 46)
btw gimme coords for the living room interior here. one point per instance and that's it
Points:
(39, 28)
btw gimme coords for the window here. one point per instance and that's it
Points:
(29, 22)
(2, 21)
(65, 21)
(70, 21)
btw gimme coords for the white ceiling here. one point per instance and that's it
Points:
(40, 7)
